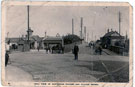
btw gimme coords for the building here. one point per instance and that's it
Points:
(54, 44)
(115, 42)
(53, 40)
(11, 43)
(36, 42)
(112, 38)
(16, 44)
(23, 45)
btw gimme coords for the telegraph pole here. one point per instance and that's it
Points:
(80, 33)
(87, 37)
(72, 26)
(81, 26)
(85, 33)
(126, 35)
(28, 22)
(119, 22)
(92, 36)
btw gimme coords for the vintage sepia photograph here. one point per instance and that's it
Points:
(66, 43)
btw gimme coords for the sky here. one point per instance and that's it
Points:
(58, 19)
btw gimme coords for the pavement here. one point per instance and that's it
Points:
(39, 66)
(14, 74)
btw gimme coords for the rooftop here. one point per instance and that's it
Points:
(52, 38)
(112, 33)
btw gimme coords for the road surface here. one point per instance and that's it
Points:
(63, 67)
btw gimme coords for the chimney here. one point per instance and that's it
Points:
(72, 26)
(111, 29)
(22, 36)
(45, 34)
(108, 30)
(126, 35)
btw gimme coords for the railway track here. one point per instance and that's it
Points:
(109, 73)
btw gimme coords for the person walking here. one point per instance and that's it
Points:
(47, 50)
(100, 50)
(75, 51)
(38, 48)
(96, 48)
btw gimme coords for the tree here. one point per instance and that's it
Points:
(69, 39)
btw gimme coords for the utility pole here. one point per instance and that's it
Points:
(87, 37)
(119, 22)
(80, 33)
(28, 22)
(126, 35)
(72, 26)
(85, 33)
(81, 26)
(92, 36)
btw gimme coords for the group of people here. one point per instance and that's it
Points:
(97, 49)
(91, 45)
(56, 48)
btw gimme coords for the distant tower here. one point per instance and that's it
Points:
(28, 22)
(29, 30)
(108, 30)
(119, 23)
(85, 33)
(92, 36)
(72, 26)
(81, 27)
(80, 33)
(126, 35)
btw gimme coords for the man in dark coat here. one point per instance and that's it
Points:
(75, 51)
(6, 58)
(100, 50)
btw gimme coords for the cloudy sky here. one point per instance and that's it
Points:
(58, 19)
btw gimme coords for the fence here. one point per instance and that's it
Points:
(119, 50)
